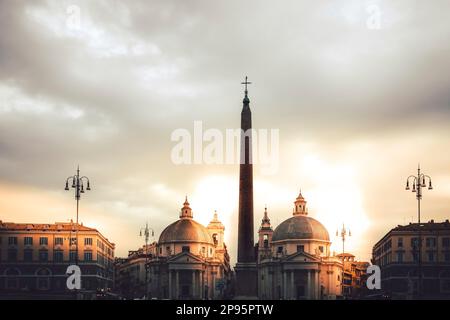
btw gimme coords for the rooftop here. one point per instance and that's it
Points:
(57, 226)
(427, 226)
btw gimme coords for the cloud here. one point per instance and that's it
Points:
(105, 89)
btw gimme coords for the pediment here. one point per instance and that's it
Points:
(302, 257)
(185, 257)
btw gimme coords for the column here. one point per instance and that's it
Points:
(314, 284)
(308, 289)
(193, 283)
(330, 283)
(213, 289)
(292, 285)
(177, 289)
(170, 284)
(317, 296)
(201, 285)
(284, 285)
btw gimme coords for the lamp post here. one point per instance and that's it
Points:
(146, 234)
(78, 185)
(418, 182)
(344, 232)
(343, 235)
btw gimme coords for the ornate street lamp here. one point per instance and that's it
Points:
(146, 234)
(418, 182)
(78, 184)
(343, 234)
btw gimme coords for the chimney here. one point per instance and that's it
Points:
(432, 221)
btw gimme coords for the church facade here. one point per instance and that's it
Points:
(191, 260)
(294, 260)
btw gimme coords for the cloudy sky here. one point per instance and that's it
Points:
(359, 91)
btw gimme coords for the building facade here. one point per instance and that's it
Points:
(354, 276)
(34, 258)
(294, 260)
(131, 280)
(397, 255)
(189, 261)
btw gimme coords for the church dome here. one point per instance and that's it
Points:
(300, 227)
(185, 230)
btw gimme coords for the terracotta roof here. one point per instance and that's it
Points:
(58, 226)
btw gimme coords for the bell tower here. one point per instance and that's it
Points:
(265, 237)
(216, 230)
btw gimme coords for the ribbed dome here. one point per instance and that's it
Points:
(185, 230)
(300, 227)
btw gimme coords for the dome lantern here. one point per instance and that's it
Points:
(186, 211)
(300, 205)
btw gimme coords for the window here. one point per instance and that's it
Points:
(400, 242)
(43, 255)
(88, 241)
(11, 278)
(431, 242)
(28, 241)
(168, 250)
(59, 241)
(203, 250)
(415, 243)
(12, 255)
(431, 256)
(300, 248)
(446, 242)
(447, 257)
(73, 241)
(400, 257)
(43, 241)
(185, 249)
(415, 256)
(321, 249)
(12, 241)
(280, 249)
(58, 256)
(88, 256)
(72, 255)
(43, 279)
(28, 255)
(266, 240)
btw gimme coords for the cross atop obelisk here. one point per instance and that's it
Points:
(246, 82)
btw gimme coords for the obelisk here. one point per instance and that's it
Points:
(246, 273)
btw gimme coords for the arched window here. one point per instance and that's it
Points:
(43, 278)
(266, 240)
(12, 278)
